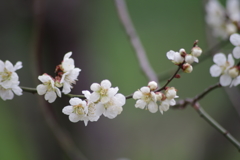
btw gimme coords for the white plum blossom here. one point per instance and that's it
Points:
(235, 40)
(113, 107)
(223, 21)
(9, 80)
(146, 98)
(93, 113)
(102, 92)
(169, 100)
(77, 110)
(233, 10)
(221, 68)
(48, 88)
(175, 57)
(187, 68)
(70, 73)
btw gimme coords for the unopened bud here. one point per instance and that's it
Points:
(171, 93)
(177, 76)
(159, 96)
(182, 52)
(196, 51)
(187, 68)
(152, 85)
(233, 72)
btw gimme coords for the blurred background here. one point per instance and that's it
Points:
(101, 48)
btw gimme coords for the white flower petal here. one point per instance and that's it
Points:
(41, 89)
(152, 107)
(230, 60)
(236, 52)
(67, 55)
(106, 84)
(219, 59)
(7, 94)
(95, 87)
(86, 94)
(94, 96)
(50, 96)
(215, 70)
(17, 90)
(121, 99)
(9, 66)
(75, 101)
(105, 99)
(145, 89)
(74, 118)
(137, 95)
(140, 104)
(112, 91)
(67, 110)
(170, 55)
(18, 66)
(235, 39)
(225, 80)
(66, 88)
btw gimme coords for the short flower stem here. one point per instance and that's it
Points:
(33, 91)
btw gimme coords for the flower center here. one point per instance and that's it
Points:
(6, 75)
(78, 109)
(103, 92)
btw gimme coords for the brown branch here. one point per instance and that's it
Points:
(194, 103)
(216, 125)
(135, 41)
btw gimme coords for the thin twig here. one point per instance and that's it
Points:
(173, 76)
(194, 103)
(135, 41)
(216, 125)
(204, 93)
(33, 91)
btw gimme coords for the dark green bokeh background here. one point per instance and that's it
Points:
(91, 29)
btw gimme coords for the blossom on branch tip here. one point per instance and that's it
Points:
(9, 82)
(68, 74)
(48, 88)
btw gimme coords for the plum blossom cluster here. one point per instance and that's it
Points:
(104, 100)
(183, 59)
(148, 98)
(225, 66)
(66, 76)
(223, 21)
(9, 80)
